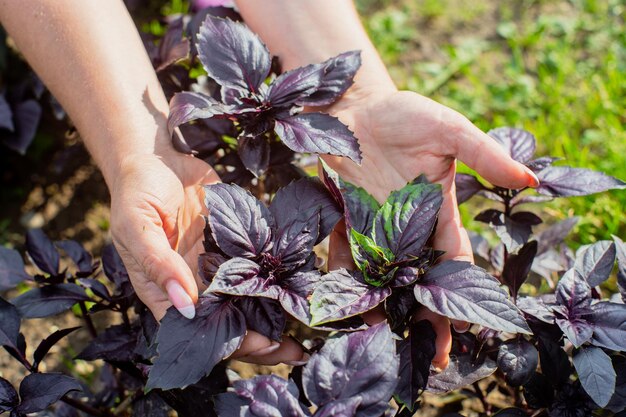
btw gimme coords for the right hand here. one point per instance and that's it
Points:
(157, 203)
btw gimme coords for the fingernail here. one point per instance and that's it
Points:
(181, 300)
(303, 361)
(461, 329)
(266, 350)
(534, 181)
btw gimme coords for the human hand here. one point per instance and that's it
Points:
(157, 227)
(403, 135)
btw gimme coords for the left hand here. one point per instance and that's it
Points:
(402, 135)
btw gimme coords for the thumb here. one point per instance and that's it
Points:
(339, 254)
(484, 155)
(157, 271)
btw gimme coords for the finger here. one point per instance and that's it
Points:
(289, 352)
(374, 316)
(443, 341)
(158, 262)
(460, 326)
(450, 236)
(255, 344)
(483, 154)
(339, 255)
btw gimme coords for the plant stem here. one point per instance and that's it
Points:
(87, 318)
(481, 397)
(85, 408)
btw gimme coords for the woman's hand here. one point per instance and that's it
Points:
(402, 135)
(157, 227)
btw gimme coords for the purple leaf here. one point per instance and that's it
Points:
(536, 307)
(318, 133)
(338, 76)
(263, 316)
(81, 258)
(357, 365)
(254, 153)
(526, 218)
(461, 371)
(618, 400)
(240, 224)
(42, 251)
(240, 276)
(518, 359)
(406, 276)
(462, 291)
(512, 233)
(208, 264)
(555, 234)
(576, 329)
(8, 396)
(189, 349)
(466, 186)
(595, 262)
(187, 106)
(115, 343)
(596, 374)
(291, 203)
(609, 325)
(113, 266)
(48, 342)
(39, 391)
(555, 363)
(294, 241)
(340, 408)
(416, 353)
(621, 265)
(573, 293)
(150, 405)
(232, 55)
(49, 300)
(26, 117)
(517, 267)
(173, 47)
(518, 143)
(541, 163)
(96, 287)
(11, 269)
(262, 396)
(296, 289)
(399, 306)
(6, 114)
(566, 181)
(295, 84)
(340, 295)
(407, 219)
(9, 324)
(358, 205)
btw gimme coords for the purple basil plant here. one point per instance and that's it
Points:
(237, 60)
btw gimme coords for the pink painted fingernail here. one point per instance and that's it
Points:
(303, 361)
(534, 181)
(181, 300)
(266, 350)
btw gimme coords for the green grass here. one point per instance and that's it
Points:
(555, 68)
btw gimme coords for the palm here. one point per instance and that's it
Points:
(403, 135)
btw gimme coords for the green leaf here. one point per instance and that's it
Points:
(366, 253)
(407, 219)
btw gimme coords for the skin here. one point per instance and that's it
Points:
(91, 57)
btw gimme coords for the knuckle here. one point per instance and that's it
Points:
(152, 265)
